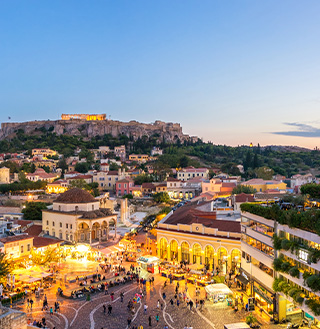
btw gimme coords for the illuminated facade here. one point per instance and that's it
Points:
(87, 117)
(59, 186)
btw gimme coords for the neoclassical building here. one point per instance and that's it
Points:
(199, 237)
(76, 216)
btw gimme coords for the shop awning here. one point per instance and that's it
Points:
(110, 250)
(218, 288)
(242, 279)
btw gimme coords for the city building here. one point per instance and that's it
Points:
(196, 236)
(42, 175)
(280, 265)
(4, 175)
(257, 274)
(191, 172)
(44, 152)
(261, 185)
(156, 151)
(238, 199)
(77, 217)
(124, 186)
(120, 151)
(178, 189)
(57, 187)
(140, 158)
(17, 246)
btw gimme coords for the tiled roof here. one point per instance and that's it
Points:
(148, 185)
(188, 214)
(34, 230)
(9, 239)
(243, 197)
(40, 241)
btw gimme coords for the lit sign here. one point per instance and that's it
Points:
(303, 255)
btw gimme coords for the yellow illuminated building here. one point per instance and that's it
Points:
(57, 187)
(87, 117)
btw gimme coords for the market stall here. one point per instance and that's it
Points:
(149, 263)
(199, 277)
(218, 292)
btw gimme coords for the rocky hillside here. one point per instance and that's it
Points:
(170, 132)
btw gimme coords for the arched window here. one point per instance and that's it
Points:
(163, 248)
(76, 208)
(185, 256)
(196, 252)
(235, 259)
(209, 257)
(173, 250)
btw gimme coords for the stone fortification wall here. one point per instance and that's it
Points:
(167, 130)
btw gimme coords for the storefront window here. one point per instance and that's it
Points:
(222, 259)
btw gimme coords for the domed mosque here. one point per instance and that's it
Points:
(77, 217)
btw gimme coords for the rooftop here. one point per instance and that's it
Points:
(189, 214)
(75, 195)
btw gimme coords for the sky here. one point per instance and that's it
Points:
(231, 72)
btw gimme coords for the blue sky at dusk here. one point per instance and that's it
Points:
(232, 72)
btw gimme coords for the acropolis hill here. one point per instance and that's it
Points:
(91, 125)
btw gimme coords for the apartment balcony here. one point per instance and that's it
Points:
(266, 239)
(304, 307)
(315, 266)
(257, 273)
(257, 254)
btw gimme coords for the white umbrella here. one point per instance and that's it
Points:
(1, 289)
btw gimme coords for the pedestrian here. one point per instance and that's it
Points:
(145, 307)
(121, 297)
(158, 304)
(157, 318)
(178, 302)
(191, 304)
(164, 295)
(129, 322)
(171, 301)
(104, 309)
(109, 309)
(31, 303)
(150, 321)
(28, 302)
(161, 306)
(112, 296)
(51, 311)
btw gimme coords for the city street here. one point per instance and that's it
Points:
(82, 314)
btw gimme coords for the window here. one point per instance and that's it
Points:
(92, 207)
(125, 186)
(67, 225)
(67, 236)
(47, 222)
(71, 237)
(60, 235)
(71, 226)
(53, 233)
(60, 224)
(53, 223)
(59, 208)
(28, 247)
(21, 249)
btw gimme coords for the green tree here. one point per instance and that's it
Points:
(244, 189)
(33, 210)
(82, 167)
(312, 189)
(161, 197)
(264, 173)
(6, 266)
(50, 255)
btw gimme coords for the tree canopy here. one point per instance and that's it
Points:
(33, 210)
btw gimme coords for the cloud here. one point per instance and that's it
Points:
(302, 130)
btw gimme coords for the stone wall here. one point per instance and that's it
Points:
(12, 319)
(167, 130)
